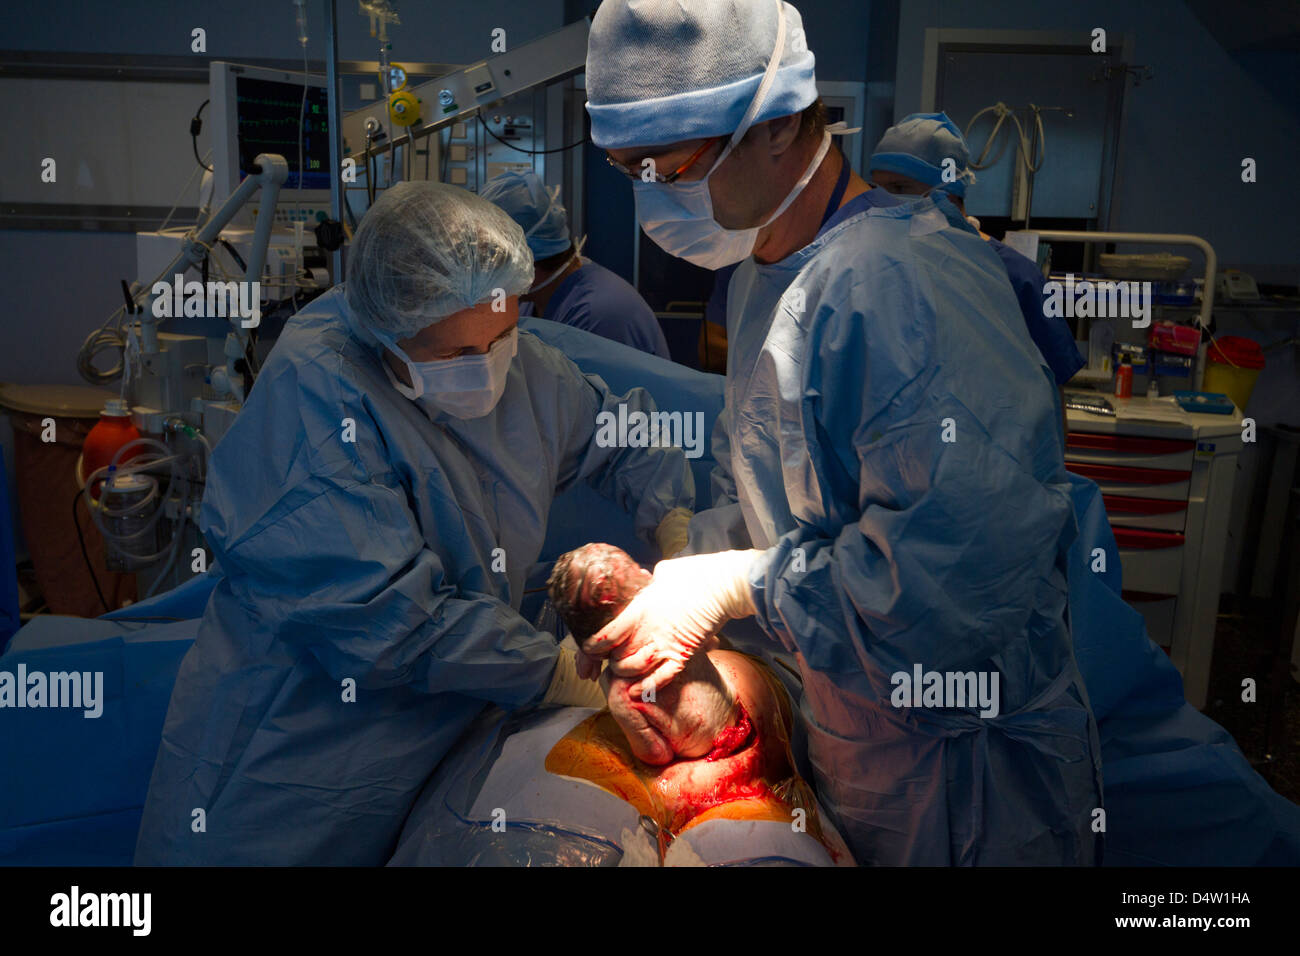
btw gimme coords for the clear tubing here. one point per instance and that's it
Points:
(177, 534)
(167, 452)
(98, 513)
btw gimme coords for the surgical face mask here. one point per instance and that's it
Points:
(679, 216)
(468, 386)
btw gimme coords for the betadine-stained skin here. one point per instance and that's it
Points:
(713, 743)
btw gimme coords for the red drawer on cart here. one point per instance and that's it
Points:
(1160, 514)
(1165, 483)
(1094, 448)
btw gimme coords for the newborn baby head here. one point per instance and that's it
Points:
(591, 584)
(589, 587)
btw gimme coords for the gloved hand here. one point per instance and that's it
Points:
(673, 531)
(568, 689)
(684, 604)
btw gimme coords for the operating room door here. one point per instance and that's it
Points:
(1074, 181)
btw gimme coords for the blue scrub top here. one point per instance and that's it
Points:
(1052, 335)
(602, 302)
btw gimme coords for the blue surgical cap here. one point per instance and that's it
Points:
(527, 201)
(663, 71)
(917, 147)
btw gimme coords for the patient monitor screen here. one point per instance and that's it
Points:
(268, 121)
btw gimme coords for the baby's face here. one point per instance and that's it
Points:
(753, 766)
(683, 719)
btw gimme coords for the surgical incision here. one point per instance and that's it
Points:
(713, 743)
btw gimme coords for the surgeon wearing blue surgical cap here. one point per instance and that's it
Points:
(925, 152)
(890, 499)
(566, 287)
(374, 510)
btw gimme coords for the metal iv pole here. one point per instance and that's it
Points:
(336, 129)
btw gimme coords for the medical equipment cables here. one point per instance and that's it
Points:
(302, 110)
(81, 541)
(196, 125)
(520, 149)
(1030, 151)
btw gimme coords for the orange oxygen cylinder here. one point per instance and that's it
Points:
(111, 432)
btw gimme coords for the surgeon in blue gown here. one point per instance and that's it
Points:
(891, 485)
(910, 161)
(374, 510)
(566, 287)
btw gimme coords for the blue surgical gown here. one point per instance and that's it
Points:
(890, 439)
(1052, 335)
(374, 562)
(601, 301)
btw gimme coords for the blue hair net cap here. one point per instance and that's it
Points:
(663, 71)
(917, 147)
(528, 201)
(426, 250)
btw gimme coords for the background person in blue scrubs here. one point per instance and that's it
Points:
(567, 288)
(908, 162)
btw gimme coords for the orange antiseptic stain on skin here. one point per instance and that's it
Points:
(766, 807)
(596, 750)
(756, 782)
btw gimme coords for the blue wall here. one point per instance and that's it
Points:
(1186, 130)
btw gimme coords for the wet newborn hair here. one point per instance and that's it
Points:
(605, 573)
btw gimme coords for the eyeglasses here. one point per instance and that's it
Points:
(660, 177)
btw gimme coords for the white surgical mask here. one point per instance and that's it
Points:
(468, 386)
(679, 216)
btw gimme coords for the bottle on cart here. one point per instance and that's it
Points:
(1124, 378)
(111, 432)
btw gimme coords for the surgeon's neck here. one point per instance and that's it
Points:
(800, 224)
(542, 298)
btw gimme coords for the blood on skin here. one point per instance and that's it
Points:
(748, 771)
(732, 738)
(749, 775)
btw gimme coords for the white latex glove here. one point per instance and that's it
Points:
(684, 605)
(673, 532)
(568, 689)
